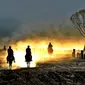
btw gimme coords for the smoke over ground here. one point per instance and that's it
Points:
(12, 30)
(38, 35)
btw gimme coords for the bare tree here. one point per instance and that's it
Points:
(78, 19)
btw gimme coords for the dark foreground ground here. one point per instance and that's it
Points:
(69, 73)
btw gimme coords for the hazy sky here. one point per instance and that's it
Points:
(19, 17)
(32, 10)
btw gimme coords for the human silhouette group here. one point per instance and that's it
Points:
(28, 56)
(10, 57)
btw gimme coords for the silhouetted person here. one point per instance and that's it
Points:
(4, 48)
(50, 49)
(82, 54)
(78, 54)
(73, 53)
(28, 56)
(10, 57)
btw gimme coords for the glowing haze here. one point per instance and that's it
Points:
(39, 50)
(63, 39)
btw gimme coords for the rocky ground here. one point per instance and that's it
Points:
(65, 73)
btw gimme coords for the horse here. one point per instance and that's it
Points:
(10, 59)
(28, 59)
(50, 51)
